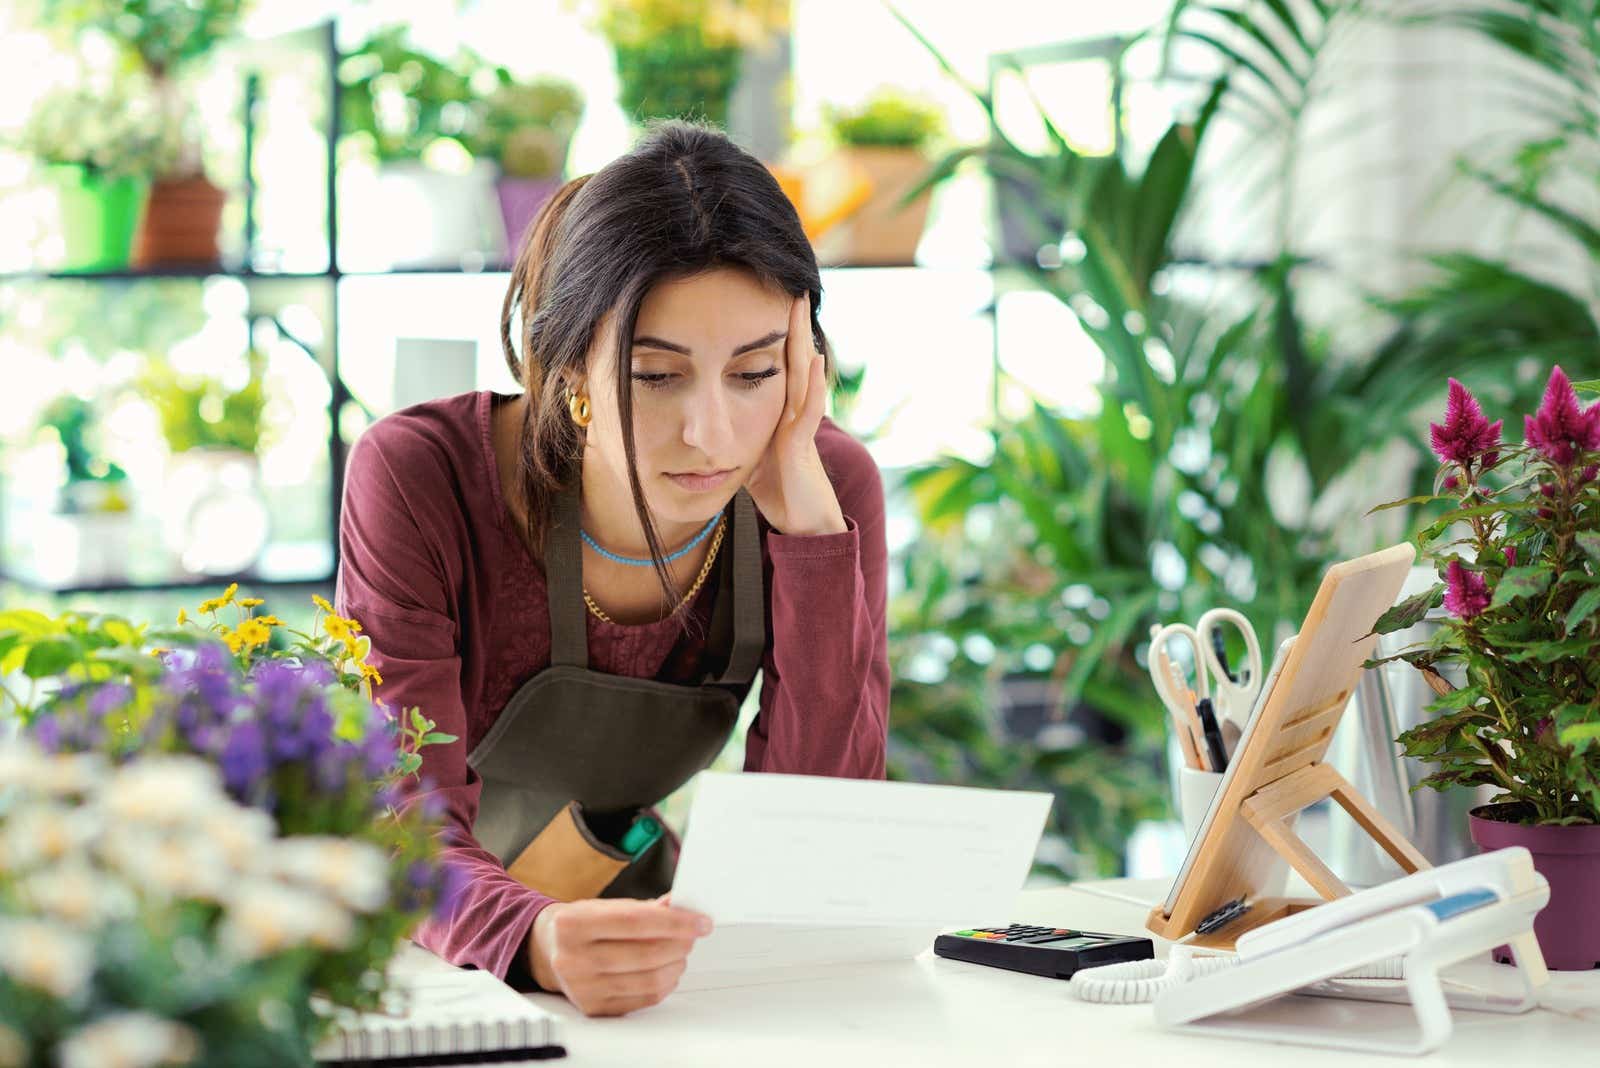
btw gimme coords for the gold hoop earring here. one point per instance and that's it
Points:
(578, 408)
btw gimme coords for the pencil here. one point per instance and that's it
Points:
(1186, 740)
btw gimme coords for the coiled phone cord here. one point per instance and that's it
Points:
(1138, 981)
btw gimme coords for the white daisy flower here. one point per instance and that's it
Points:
(355, 872)
(162, 790)
(45, 955)
(129, 1040)
(265, 917)
(77, 894)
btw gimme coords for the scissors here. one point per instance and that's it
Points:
(1232, 693)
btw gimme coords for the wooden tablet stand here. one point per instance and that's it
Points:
(1278, 770)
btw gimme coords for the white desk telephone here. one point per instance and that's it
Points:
(1404, 932)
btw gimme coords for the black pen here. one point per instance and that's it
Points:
(1213, 734)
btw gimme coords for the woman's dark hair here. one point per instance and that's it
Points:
(684, 200)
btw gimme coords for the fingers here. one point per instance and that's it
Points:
(621, 958)
(798, 351)
(632, 920)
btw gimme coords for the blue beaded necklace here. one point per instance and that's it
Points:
(647, 562)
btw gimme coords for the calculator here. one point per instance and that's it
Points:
(1053, 952)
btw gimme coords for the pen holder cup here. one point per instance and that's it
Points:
(1195, 790)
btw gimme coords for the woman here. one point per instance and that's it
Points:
(580, 582)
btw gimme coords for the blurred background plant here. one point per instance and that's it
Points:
(526, 127)
(889, 118)
(682, 58)
(399, 102)
(203, 411)
(1237, 442)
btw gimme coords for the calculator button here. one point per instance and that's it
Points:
(1064, 931)
(1037, 940)
(964, 934)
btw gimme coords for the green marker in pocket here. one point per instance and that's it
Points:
(640, 836)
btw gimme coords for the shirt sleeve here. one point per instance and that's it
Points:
(824, 706)
(393, 578)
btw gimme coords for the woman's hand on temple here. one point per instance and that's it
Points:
(789, 486)
(611, 956)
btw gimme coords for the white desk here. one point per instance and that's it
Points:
(932, 1012)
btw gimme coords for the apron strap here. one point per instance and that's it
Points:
(749, 595)
(563, 576)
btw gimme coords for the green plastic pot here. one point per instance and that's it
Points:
(98, 217)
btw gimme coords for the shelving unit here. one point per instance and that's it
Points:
(326, 355)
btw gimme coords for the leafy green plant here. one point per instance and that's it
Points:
(682, 58)
(527, 127)
(73, 420)
(1522, 586)
(887, 119)
(398, 101)
(165, 35)
(109, 131)
(200, 411)
(1168, 499)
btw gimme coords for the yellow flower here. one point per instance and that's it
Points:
(253, 632)
(271, 621)
(322, 604)
(338, 629)
(183, 617)
(251, 602)
(220, 602)
(356, 648)
(159, 651)
(235, 643)
(370, 673)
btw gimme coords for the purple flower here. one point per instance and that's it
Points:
(112, 697)
(1467, 594)
(244, 758)
(1465, 434)
(1511, 555)
(1560, 430)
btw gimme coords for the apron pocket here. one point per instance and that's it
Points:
(566, 860)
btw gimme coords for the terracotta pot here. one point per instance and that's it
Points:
(1568, 928)
(180, 224)
(881, 232)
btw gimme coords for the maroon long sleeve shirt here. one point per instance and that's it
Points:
(442, 581)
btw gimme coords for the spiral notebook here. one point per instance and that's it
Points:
(436, 1009)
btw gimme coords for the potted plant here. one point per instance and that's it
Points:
(526, 128)
(215, 519)
(682, 58)
(239, 843)
(166, 38)
(407, 117)
(1521, 586)
(98, 146)
(886, 140)
(87, 538)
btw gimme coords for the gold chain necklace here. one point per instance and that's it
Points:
(705, 569)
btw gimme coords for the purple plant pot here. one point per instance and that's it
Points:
(1568, 928)
(520, 201)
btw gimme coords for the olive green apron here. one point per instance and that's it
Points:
(617, 744)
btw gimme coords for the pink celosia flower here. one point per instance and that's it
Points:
(1560, 430)
(1465, 434)
(1466, 594)
(1511, 555)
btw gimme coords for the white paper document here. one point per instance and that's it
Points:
(803, 872)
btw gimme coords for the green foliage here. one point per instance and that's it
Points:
(397, 101)
(1528, 718)
(74, 421)
(164, 34)
(887, 119)
(105, 132)
(200, 411)
(527, 127)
